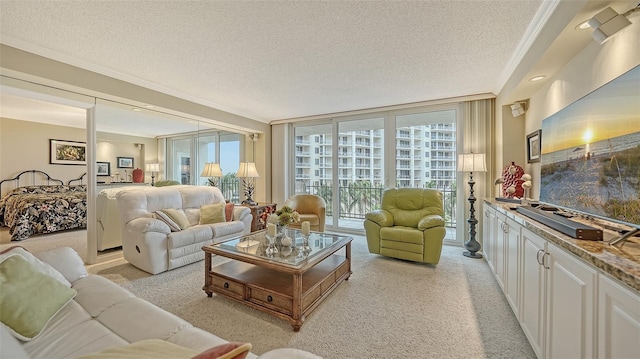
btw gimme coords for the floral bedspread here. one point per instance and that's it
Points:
(43, 209)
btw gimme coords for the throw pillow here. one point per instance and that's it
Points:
(144, 349)
(29, 298)
(212, 213)
(228, 211)
(226, 351)
(37, 263)
(174, 218)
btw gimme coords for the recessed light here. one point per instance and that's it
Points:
(136, 109)
(148, 106)
(583, 25)
(537, 78)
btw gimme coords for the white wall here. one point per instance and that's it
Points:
(24, 146)
(593, 67)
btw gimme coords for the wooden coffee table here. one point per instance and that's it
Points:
(288, 285)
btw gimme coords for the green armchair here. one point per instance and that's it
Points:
(409, 225)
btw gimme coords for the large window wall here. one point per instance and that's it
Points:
(350, 160)
(189, 153)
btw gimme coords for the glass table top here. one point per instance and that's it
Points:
(256, 244)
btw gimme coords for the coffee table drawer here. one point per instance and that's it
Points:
(270, 300)
(227, 286)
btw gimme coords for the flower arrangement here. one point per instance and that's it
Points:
(284, 216)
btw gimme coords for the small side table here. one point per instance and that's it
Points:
(256, 212)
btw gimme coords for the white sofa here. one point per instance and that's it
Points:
(149, 243)
(108, 218)
(103, 316)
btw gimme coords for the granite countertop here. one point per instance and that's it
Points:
(621, 261)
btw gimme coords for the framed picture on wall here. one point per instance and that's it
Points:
(125, 162)
(103, 169)
(63, 152)
(533, 146)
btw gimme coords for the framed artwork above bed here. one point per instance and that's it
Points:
(63, 152)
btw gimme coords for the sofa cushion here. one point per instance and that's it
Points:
(29, 298)
(174, 218)
(10, 347)
(70, 333)
(39, 265)
(151, 349)
(66, 261)
(96, 294)
(212, 213)
(136, 319)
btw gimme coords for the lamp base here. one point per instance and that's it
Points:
(249, 202)
(475, 255)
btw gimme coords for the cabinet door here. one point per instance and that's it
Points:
(512, 264)
(533, 290)
(488, 233)
(618, 320)
(499, 262)
(570, 306)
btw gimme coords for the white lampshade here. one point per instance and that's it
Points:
(471, 162)
(211, 170)
(248, 170)
(152, 167)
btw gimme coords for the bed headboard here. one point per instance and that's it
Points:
(79, 179)
(30, 178)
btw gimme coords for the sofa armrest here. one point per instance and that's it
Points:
(380, 217)
(144, 225)
(288, 353)
(243, 214)
(430, 221)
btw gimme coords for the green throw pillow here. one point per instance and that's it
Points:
(177, 216)
(212, 213)
(29, 298)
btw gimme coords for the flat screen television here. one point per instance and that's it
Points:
(590, 153)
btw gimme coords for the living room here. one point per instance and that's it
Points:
(581, 67)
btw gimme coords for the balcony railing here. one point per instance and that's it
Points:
(357, 200)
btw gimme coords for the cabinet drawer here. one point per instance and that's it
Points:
(228, 287)
(271, 300)
(310, 297)
(327, 283)
(344, 267)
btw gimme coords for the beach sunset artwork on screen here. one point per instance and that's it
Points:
(590, 154)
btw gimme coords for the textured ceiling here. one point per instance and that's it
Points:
(271, 60)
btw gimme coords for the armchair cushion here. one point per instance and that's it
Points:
(430, 221)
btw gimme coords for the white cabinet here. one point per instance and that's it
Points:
(512, 264)
(500, 258)
(558, 296)
(566, 307)
(618, 320)
(533, 290)
(571, 294)
(488, 234)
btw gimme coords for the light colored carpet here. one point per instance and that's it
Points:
(387, 309)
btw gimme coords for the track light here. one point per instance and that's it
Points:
(517, 109)
(606, 23)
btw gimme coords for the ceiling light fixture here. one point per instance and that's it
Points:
(608, 22)
(136, 109)
(537, 78)
(583, 25)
